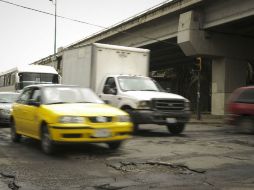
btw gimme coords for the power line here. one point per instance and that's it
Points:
(44, 12)
(84, 22)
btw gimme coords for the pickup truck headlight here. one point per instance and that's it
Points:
(5, 111)
(144, 105)
(71, 119)
(124, 118)
(187, 106)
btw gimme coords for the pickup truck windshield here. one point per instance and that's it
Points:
(132, 83)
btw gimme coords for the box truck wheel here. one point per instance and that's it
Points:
(176, 129)
(130, 112)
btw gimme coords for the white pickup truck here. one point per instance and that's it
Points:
(118, 75)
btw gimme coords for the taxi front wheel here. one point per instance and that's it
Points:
(14, 136)
(115, 145)
(47, 144)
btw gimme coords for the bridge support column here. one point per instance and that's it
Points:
(227, 75)
(227, 51)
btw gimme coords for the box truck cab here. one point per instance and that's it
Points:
(119, 75)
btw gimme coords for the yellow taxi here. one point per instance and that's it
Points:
(63, 113)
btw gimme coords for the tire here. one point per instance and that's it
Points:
(14, 136)
(135, 125)
(47, 144)
(176, 129)
(245, 124)
(115, 145)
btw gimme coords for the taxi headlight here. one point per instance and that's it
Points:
(144, 105)
(124, 118)
(71, 119)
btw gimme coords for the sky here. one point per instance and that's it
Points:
(27, 36)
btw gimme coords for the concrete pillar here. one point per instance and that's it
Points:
(227, 75)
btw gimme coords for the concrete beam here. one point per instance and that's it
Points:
(221, 12)
(194, 41)
(150, 15)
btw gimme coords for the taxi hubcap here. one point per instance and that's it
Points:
(46, 142)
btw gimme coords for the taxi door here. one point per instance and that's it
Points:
(32, 114)
(20, 112)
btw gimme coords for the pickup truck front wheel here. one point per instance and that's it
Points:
(176, 129)
(135, 125)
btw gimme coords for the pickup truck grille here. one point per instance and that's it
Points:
(168, 105)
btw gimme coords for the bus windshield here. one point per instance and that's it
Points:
(26, 79)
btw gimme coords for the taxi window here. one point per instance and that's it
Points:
(25, 96)
(36, 95)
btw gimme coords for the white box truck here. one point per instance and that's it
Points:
(119, 76)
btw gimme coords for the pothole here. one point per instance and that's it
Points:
(153, 166)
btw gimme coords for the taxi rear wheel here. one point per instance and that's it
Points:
(14, 136)
(47, 144)
(115, 145)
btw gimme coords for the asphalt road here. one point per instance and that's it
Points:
(203, 157)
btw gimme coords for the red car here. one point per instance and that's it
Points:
(240, 109)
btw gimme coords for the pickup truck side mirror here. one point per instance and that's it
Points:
(168, 90)
(109, 90)
(112, 91)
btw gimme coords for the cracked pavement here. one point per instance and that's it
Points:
(203, 157)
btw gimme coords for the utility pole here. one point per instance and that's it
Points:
(55, 4)
(199, 67)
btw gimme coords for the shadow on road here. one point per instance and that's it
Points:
(151, 133)
(88, 150)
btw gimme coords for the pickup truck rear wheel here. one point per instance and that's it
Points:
(176, 129)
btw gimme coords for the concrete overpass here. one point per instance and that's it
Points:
(222, 32)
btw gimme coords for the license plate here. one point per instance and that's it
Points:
(171, 120)
(102, 133)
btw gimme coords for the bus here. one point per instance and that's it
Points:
(17, 78)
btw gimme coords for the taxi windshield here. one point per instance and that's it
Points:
(57, 95)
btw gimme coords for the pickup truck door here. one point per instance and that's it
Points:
(109, 92)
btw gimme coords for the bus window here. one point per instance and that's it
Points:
(1, 81)
(17, 78)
